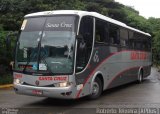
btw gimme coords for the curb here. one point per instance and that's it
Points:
(6, 86)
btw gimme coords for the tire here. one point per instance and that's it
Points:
(140, 77)
(96, 89)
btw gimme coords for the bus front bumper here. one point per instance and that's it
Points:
(53, 92)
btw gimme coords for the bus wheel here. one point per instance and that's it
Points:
(140, 77)
(96, 89)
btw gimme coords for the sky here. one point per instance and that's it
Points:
(146, 8)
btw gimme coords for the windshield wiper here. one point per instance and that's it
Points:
(45, 62)
(30, 58)
(25, 66)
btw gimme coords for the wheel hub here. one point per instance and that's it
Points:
(95, 89)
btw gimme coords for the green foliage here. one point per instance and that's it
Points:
(133, 19)
(13, 11)
(156, 41)
(155, 24)
(2, 42)
(155, 31)
(6, 53)
(156, 47)
(7, 79)
(3, 53)
(107, 8)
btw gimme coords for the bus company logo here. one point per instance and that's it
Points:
(50, 78)
(58, 25)
(37, 83)
(138, 55)
(96, 57)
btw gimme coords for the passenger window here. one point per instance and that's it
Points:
(123, 37)
(131, 40)
(149, 43)
(138, 41)
(114, 34)
(146, 43)
(101, 34)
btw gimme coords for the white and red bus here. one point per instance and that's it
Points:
(70, 54)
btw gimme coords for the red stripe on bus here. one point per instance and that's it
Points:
(112, 54)
(92, 73)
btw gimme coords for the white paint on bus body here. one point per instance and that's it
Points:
(83, 13)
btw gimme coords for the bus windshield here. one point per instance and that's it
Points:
(46, 44)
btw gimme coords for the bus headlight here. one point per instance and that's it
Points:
(17, 81)
(62, 84)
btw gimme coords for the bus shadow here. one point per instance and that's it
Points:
(61, 103)
(118, 89)
(121, 88)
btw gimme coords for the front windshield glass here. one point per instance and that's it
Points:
(47, 44)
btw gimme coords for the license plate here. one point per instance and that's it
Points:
(37, 92)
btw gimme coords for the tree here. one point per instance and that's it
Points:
(156, 48)
(13, 11)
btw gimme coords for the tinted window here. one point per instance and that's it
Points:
(139, 41)
(149, 43)
(131, 40)
(56, 50)
(84, 47)
(101, 34)
(114, 34)
(123, 37)
(33, 24)
(146, 43)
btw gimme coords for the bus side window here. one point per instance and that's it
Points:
(138, 41)
(131, 40)
(149, 43)
(123, 37)
(101, 35)
(114, 34)
(86, 32)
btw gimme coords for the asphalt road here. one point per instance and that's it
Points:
(141, 98)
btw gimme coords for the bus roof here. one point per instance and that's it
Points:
(83, 13)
